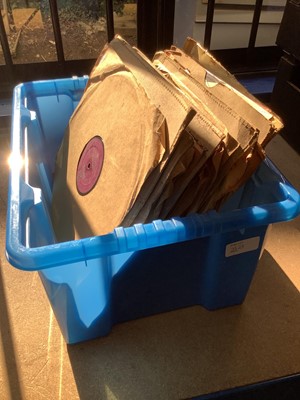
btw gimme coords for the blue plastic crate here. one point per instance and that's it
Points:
(93, 283)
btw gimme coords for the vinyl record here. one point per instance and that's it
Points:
(90, 165)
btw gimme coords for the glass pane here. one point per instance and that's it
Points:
(125, 20)
(83, 25)
(83, 28)
(29, 34)
(269, 25)
(231, 24)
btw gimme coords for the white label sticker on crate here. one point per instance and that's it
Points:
(243, 246)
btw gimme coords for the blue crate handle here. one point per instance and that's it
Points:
(137, 237)
(22, 197)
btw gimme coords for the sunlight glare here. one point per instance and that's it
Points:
(15, 161)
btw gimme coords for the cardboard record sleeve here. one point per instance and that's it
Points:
(246, 138)
(244, 103)
(113, 140)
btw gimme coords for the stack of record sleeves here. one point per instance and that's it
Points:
(154, 140)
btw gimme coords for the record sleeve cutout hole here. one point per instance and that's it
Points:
(89, 165)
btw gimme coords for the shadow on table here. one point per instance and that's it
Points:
(8, 345)
(193, 351)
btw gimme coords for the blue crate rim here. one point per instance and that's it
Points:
(134, 238)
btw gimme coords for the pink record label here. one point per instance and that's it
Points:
(90, 165)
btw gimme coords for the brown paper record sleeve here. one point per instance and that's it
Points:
(132, 147)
